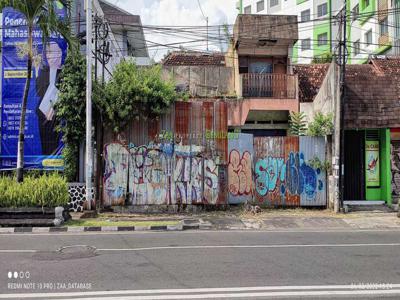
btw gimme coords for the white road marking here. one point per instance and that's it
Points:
(19, 251)
(247, 246)
(204, 293)
(222, 247)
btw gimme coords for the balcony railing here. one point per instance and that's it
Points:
(282, 86)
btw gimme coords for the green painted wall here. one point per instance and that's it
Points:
(366, 11)
(323, 27)
(384, 191)
(240, 6)
(319, 28)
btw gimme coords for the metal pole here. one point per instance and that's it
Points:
(89, 146)
(96, 26)
(207, 33)
(342, 102)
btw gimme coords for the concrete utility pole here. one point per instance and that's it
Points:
(343, 60)
(89, 146)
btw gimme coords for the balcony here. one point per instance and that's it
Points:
(278, 86)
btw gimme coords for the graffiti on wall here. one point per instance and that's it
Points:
(271, 170)
(115, 174)
(278, 180)
(282, 174)
(395, 167)
(162, 174)
(148, 176)
(239, 172)
(240, 168)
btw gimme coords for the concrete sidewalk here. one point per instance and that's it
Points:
(236, 219)
(275, 219)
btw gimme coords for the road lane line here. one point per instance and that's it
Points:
(247, 246)
(199, 290)
(19, 251)
(221, 247)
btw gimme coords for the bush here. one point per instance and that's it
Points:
(48, 190)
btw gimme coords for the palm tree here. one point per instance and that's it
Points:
(43, 14)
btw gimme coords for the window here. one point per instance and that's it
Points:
(305, 15)
(384, 27)
(368, 37)
(305, 44)
(366, 3)
(322, 39)
(260, 5)
(356, 12)
(247, 9)
(322, 9)
(356, 46)
(274, 3)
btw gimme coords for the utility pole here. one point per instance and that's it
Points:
(89, 146)
(207, 32)
(343, 60)
(205, 18)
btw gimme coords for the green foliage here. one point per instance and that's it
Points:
(316, 163)
(322, 58)
(134, 92)
(70, 110)
(47, 190)
(297, 123)
(322, 125)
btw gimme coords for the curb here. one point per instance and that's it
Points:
(80, 229)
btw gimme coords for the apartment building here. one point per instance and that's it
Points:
(372, 27)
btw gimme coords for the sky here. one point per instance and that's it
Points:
(182, 13)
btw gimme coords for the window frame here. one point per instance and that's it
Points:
(357, 47)
(275, 3)
(366, 36)
(257, 5)
(308, 16)
(385, 25)
(325, 5)
(303, 43)
(355, 12)
(325, 41)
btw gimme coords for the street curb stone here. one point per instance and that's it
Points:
(23, 229)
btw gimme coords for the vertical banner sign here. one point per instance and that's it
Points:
(372, 163)
(43, 145)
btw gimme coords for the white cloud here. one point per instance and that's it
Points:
(181, 13)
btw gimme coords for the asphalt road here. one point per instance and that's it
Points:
(201, 265)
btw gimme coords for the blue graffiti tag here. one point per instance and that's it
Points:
(294, 176)
(268, 171)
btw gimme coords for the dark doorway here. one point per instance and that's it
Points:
(354, 162)
(265, 132)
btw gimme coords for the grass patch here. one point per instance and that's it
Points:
(97, 222)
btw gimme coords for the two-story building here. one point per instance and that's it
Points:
(265, 84)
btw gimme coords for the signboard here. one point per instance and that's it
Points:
(43, 145)
(372, 163)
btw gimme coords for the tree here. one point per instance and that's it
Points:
(297, 123)
(40, 13)
(321, 126)
(134, 92)
(70, 110)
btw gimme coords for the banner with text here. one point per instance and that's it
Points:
(43, 145)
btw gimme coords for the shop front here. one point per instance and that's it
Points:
(368, 173)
